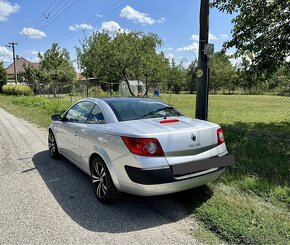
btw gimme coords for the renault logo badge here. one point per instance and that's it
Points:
(193, 137)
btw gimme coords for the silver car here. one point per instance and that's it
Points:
(138, 145)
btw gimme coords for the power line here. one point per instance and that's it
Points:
(70, 35)
(40, 18)
(55, 12)
(60, 12)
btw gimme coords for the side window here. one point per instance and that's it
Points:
(79, 112)
(96, 116)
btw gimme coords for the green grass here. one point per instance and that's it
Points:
(241, 218)
(34, 109)
(260, 112)
(202, 234)
(250, 203)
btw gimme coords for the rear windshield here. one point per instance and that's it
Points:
(134, 109)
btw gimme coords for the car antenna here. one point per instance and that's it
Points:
(165, 117)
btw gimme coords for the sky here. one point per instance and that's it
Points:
(35, 25)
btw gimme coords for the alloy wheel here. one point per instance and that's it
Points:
(51, 144)
(99, 180)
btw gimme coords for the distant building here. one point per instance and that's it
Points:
(20, 64)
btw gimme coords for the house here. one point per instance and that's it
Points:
(20, 63)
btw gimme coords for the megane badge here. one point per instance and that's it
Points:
(193, 137)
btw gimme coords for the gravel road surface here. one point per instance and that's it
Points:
(46, 201)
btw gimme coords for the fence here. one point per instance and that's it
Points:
(269, 111)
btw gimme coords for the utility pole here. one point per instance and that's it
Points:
(12, 45)
(201, 111)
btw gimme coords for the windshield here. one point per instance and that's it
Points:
(133, 109)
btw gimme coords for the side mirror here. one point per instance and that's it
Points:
(56, 117)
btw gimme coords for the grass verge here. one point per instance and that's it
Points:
(241, 218)
(249, 204)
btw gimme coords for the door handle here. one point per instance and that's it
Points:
(76, 133)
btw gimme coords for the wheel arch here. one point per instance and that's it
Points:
(109, 166)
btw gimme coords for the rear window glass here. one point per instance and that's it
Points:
(134, 109)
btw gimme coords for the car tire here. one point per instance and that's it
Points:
(52, 146)
(103, 186)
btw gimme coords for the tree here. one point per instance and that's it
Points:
(56, 66)
(176, 77)
(191, 76)
(222, 73)
(280, 80)
(3, 75)
(30, 76)
(261, 28)
(124, 56)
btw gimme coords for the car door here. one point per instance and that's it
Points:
(73, 121)
(91, 136)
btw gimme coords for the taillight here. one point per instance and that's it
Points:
(149, 147)
(220, 136)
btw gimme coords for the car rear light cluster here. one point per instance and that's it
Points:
(220, 136)
(149, 147)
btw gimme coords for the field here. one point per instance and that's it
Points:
(250, 204)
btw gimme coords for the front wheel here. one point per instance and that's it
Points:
(103, 185)
(52, 146)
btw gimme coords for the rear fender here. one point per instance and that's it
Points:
(103, 154)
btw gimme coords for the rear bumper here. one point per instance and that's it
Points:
(171, 187)
(177, 172)
(149, 182)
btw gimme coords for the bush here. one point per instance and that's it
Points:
(18, 89)
(96, 92)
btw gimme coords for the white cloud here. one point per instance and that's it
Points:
(5, 54)
(194, 37)
(168, 49)
(235, 61)
(32, 33)
(161, 20)
(99, 16)
(78, 27)
(34, 52)
(191, 47)
(170, 56)
(184, 61)
(34, 55)
(223, 36)
(7, 8)
(111, 27)
(138, 17)
(211, 37)
(288, 58)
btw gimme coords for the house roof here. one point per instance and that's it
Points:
(20, 64)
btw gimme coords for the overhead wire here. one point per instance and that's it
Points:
(58, 9)
(40, 17)
(70, 34)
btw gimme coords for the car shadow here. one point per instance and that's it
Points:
(73, 191)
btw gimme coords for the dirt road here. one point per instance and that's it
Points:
(45, 201)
